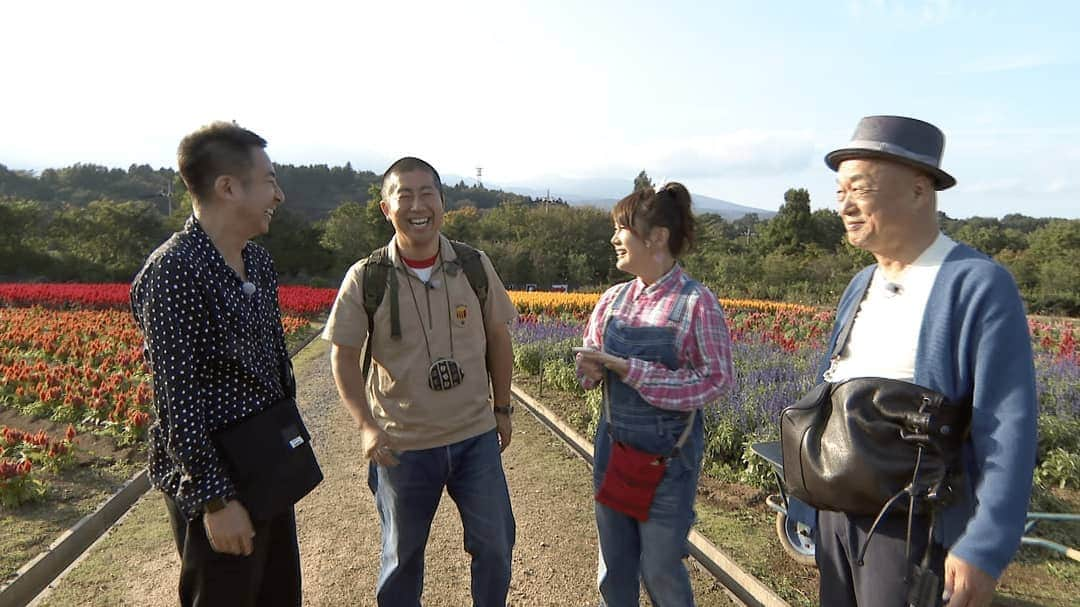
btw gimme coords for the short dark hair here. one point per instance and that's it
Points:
(219, 148)
(668, 207)
(407, 165)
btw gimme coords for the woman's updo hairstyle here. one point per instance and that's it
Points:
(667, 207)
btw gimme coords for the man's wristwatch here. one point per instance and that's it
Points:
(215, 504)
(504, 409)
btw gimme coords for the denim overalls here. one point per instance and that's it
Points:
(653, 549)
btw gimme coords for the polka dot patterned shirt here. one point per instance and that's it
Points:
(215, 352)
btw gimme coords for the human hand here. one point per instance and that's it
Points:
(591, 369)
(966, 585)
(229, 530)
(505, 428)
(595, 359)
(376, 445)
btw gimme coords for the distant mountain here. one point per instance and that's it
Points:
(702, 204)
(727, 210)
(604, 193)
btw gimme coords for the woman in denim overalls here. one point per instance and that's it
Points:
(660, 345)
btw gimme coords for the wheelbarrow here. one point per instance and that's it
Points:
(796, 520)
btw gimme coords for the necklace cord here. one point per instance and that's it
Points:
(416, 305)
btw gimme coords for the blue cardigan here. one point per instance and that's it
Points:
(974, 344)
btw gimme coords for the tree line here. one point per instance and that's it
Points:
(88, 223)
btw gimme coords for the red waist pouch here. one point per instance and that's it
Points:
(630, 480)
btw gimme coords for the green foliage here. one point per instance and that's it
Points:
(594, 401)
(587, 418)
(724, 444)
(462, 196)
(296, 246)
(1059, 468)
(989, 236)
(792, 229)
(91, 223)
(755, 471)
(560, 374)
(642, 181)
(19, 490)
(353, 231)
(1058, 454)
(1058, 433)
(528, 358)
(828, 229)
(545, 245)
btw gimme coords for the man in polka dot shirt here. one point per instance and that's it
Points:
(206, 301)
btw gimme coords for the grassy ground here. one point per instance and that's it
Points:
(72, 494)
(298, 339)
(105, 575)
(734, 517)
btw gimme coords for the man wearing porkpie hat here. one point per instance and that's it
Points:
(944, 316)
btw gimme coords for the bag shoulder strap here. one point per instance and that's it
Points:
(682, 437)
(377, 273)
(469, 259)
(845, 331)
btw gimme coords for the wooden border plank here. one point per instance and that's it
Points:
(735, 579)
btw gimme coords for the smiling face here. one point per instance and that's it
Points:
(633, 254)
(258, 196)
(884, 205)
(415, 207)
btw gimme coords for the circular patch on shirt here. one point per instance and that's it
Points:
(461, 314)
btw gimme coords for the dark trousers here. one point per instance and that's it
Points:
(270, 576)
(883, 578)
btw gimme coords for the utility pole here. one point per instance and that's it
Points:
(167, 193)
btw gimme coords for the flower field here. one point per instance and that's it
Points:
(776, 348)
(73, 355)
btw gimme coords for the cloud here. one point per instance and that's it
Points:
(1011, 63)
(744, 153)
(1052, 187)
(925, 13)
(1010, 185)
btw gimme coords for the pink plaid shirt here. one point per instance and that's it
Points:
(704, 347)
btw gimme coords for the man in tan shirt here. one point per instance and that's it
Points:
(425, 416)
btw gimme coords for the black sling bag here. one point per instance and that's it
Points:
(269, 455)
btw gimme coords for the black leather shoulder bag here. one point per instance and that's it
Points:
(855, 446)
(858, 446)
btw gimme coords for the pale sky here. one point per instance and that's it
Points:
(738, 100)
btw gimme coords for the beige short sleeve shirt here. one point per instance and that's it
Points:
(447, 314)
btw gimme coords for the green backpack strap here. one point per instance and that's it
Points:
(470, 262)
(378, 271)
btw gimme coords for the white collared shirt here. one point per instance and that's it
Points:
(885, 336)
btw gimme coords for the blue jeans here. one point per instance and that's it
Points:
(652, 550)
(407, 496)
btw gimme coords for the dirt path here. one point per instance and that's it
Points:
(554, 558)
